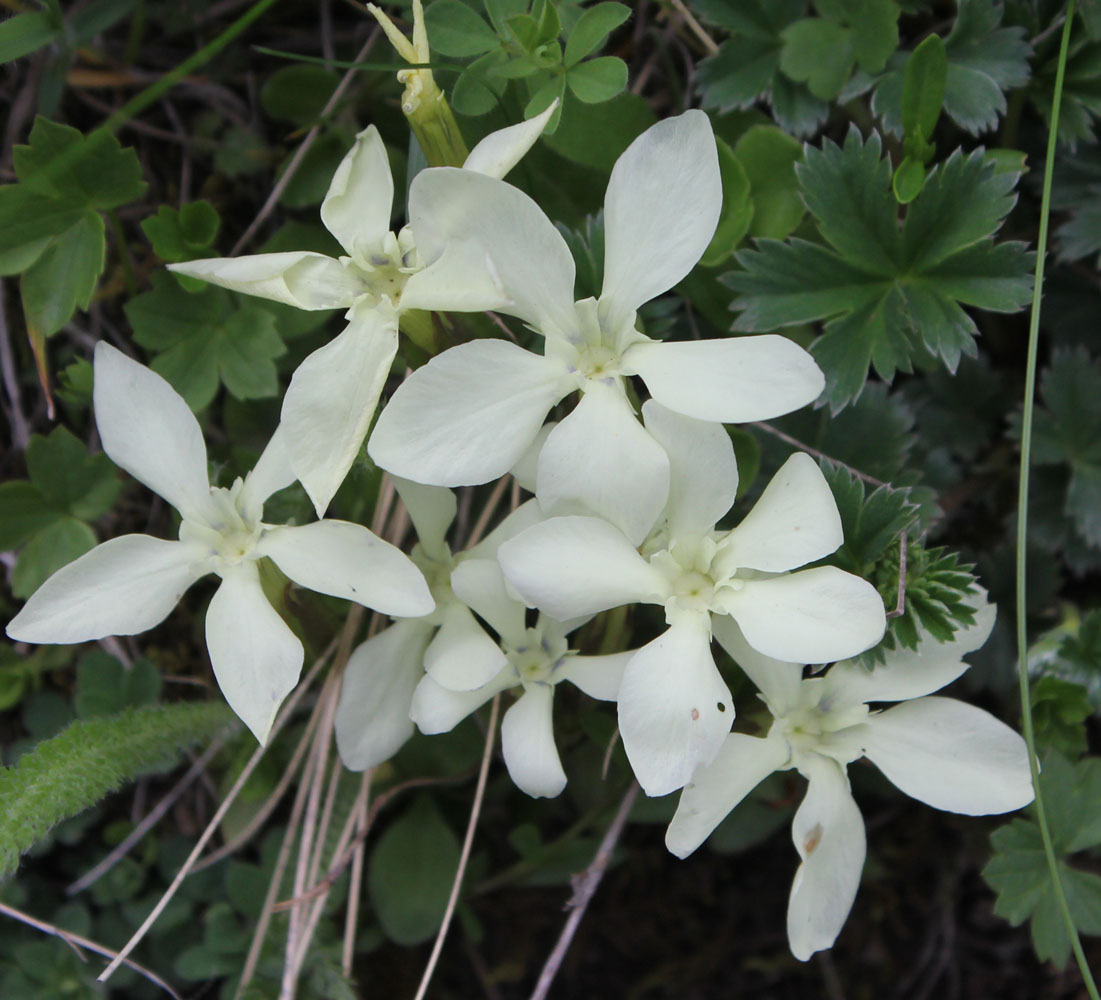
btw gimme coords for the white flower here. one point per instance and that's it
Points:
(674, 709)
(940, 751)
(333, 394)
(129, 584)
(467, 415)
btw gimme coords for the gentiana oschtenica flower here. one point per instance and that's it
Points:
(941, 751)
(131, 583)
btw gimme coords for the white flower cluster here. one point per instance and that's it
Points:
(625, 511)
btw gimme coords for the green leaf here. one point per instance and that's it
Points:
(596, 135)
(478, 89)
(182, 234)
(874, 25)
(908, 180)
(64, 276)
(104, 687)
(456, 30)
(737, 208)
(298, 94)
(819, 53)
(923, 84)
(202, 338)
(64, 775)
(28, 222)
(410, 874)
(1059, 711)
(68, 478)
(598, 80)
(889, 294)
(553, 89)
(57, 545)
(23, 513)
(768, 157)
(25, 33)
(592, 29)
(101, 174)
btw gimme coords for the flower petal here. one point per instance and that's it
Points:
(703, 470)
(527, 742)
(573, 566)
(950, 755)
(500, 151)
(674, 709)
(271, 473)
(148, 430)
(660, 212)
(122, 587)
(256, 657)
(346, 560)
(598, 676)
(500, 229)
(813, 616)
(730, 380)
(527, 514)
(431, 509)
(777, 680)
(462, 657)
(741, 765)
(372, 719)
(467, 415)
(480, 585)
(299, 278)
(357, 207)
(600, 459)
(910, 673)
(437, 709)
(793, 523)
(828, 832)
(331, 399)
(526, 468)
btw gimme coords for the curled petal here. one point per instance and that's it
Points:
(357, 207)
(950, 755)
(527, 742)
(467, 415)
(256, 657)
(122, 587)
(480, 585)
(733, 380)
(500, 151)
(346, 560)
(372, 719)
(674, 709)
(431, 509)
(302, 279)
(828, 832)
(148, 430)
(741, 765)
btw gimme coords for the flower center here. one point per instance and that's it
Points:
(231, 532)
(815, 724)
(383, 271)
(537, 657)
(696, 580)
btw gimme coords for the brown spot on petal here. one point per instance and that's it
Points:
(814, 838)
(695, 714)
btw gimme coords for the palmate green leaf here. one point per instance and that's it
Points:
(89, 759)
(1059, 712)
(104, 687)
(592, 29)
(1018, 870)
(182, 234)
(1081, 103)
(56, 545)
(887, 293)
(768, 156)
(64, 277)
(68, 479)
(204, 339)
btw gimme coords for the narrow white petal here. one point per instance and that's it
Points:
(828, 832)
(911, 673)
(527, 742)
(598, 676)
(601, 460)
(777, 680)
(674, 709)
(741, 765)
(148, 430)
(813, 616)
(462, 656)
(431, 509)
(467, 415)
(660, 212)
(503, 232)
(703, 470)
(332, 398)
(122, 587)
(372, 720)
(500, 151)
(346, 560)
(302, 279)
(950, 755)
(437, 709)
(731, 380)
(272, 473)
(357, 208)
(256, 657)
(793, 523)
(573, 566)
(480, 585)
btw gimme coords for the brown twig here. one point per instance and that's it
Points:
(355, 882)
(795, 443)
(695, 27)
(900, 603)
(584, 887)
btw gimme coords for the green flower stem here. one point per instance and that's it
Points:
(1022, 511)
